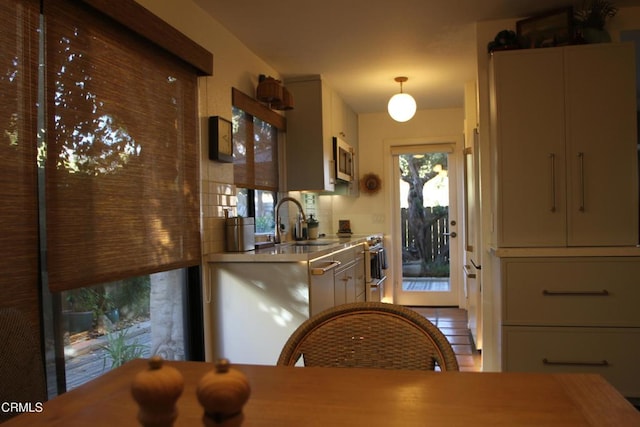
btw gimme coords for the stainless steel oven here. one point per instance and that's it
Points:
(375, 265)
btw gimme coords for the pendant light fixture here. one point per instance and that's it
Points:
(401, 106)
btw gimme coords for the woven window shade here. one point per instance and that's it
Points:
(255, 140)
(122, 161)
(243, 164)
(18, 166)
(265, 155)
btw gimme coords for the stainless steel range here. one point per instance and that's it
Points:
(375, 267)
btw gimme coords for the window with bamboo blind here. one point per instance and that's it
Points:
(122, 195)
(18, 165)
(255, 136)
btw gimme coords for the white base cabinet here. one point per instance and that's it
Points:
(343, 284)
(610, 352)
(256, 306)
(573, 314)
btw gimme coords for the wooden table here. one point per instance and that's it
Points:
(287, 396)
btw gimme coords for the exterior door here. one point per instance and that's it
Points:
(426, 253)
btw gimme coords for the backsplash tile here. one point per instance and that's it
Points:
(217, 197)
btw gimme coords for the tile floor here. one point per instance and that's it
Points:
(453, 324)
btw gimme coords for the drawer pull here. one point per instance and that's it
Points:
(581, 165)
(552, 158)
(574, 363)
(602, 293)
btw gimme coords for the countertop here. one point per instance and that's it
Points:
(291, 251)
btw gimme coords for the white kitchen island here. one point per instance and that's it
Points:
(256, 299)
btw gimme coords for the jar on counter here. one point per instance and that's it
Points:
(312, 227)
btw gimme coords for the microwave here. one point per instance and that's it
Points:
(344, 158)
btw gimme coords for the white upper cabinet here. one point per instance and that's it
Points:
(344, 121)
(309, 144)
(563, 124)
(319, 114)
(602, 145)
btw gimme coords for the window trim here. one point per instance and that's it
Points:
(250, 106)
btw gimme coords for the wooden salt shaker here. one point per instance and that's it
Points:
(223, 393)
(156, 390)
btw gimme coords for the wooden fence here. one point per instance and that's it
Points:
(436, 238)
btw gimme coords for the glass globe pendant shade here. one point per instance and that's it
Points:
(401, 107)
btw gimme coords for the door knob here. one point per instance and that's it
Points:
(452, 234)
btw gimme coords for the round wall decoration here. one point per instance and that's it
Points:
(370, 183)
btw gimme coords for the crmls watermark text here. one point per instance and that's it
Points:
(19, 407)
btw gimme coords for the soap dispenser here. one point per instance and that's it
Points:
(300, 230)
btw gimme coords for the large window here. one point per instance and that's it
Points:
(119, 189)
(255, 169)
(99, 181)
(118, 183)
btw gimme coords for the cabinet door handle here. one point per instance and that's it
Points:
(332, 171)
(468, 273)
(546, 361)
(581, 168)
(319, 271)
(352, 165)
(552, 161)
(602, 293)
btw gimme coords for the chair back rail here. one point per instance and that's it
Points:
(369, 335)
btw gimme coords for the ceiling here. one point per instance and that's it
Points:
(359, 46)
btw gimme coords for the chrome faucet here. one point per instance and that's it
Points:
(298, 221)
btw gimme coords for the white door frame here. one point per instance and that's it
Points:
(393, 148)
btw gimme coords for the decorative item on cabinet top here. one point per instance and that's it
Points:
(370, 183)
(505, 40)
(273, 93)
(553, 28)
(590, 21)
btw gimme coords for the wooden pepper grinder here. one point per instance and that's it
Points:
(156, 390)
(223, 393)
